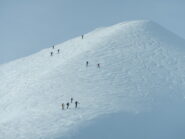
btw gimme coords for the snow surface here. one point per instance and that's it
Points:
(138, 92)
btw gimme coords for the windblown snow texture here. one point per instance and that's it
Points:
(138, 91)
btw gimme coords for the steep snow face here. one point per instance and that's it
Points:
(141, 69)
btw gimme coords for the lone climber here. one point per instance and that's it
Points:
(87, 63)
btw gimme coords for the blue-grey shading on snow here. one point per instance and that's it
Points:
(141, 73)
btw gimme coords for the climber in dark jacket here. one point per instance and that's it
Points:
(71, 100)
(76, 104)
(87, 63)
(51, 53)
(67, 105)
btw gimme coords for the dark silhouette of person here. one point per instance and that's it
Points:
(71, 100)
(76, 104)
(98, 65)
(53, 47)
(87, 63)
(58, 51)
(63, 106)
(51, 53)
(67, 105)
(82, 36)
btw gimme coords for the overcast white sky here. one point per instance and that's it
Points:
(27, 26)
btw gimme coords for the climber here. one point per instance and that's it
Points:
(98, 65)
(58, 51)
(67, 105)
(71, 100)
(87, 63)
(53, 47)
(82, 36)
(63, 106)
(51, 53)
(76, 104)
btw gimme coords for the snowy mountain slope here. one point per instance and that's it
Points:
(141, 70)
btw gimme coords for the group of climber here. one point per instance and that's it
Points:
(87, 64)
(76, 102)
(51, 53)
(68, 104)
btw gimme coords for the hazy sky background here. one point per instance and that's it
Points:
(27, 26)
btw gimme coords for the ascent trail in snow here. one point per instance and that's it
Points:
(141, 70)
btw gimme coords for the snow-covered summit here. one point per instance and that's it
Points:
(141, 69)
